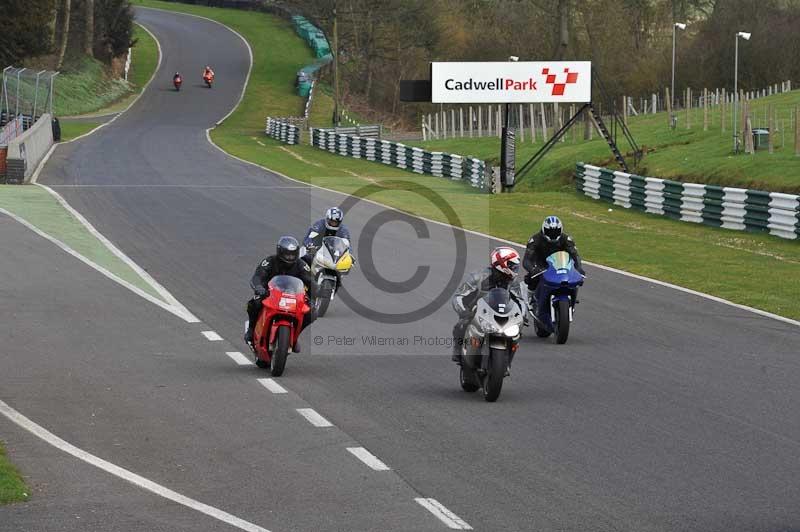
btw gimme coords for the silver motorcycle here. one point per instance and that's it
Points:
(490, 342)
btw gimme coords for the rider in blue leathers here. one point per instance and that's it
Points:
(331, 225)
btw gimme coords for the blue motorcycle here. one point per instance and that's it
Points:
(555, 298)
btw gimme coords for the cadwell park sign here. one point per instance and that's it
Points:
(511, 82)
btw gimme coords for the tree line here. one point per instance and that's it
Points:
(629, 41)
(49, 31)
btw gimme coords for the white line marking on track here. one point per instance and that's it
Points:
(368, 458)
(135, 289)
(133, 478)
(443, 514)
(272, 386)
(180, 310)
(314, 418)
(211, 336)
(239, 358)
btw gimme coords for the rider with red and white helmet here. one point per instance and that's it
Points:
(501, 273)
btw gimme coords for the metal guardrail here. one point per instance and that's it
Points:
(730, 208)
(372, 131)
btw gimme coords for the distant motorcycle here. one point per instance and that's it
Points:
(279, 322)
(331, 261)
(208, 79)
(556, 294)
(177, 81)
(490, 342)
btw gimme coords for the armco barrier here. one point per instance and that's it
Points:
(730, 208)
(27, 150)
(402, 156)
(281, 129)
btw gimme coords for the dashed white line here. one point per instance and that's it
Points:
(443, 514)
(131, 477)
(314, 418)
(239, 358)
(211, 336)
(368, 458)
(272, 386)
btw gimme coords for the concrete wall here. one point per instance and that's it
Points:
(26, 151)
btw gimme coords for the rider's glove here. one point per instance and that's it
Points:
(261, 291)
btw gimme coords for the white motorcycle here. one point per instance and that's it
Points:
(331, 261)
(490, 342)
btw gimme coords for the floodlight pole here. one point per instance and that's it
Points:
(675, 26)
(51, 92)
(16, 104)
(36, 93)
(745, 36)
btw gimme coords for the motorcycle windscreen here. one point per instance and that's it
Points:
(560, 261)
(287, 284)
(336, 246)
(498, 300)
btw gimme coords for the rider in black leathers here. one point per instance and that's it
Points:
(541, 245)
(502, 273)
(286, 261)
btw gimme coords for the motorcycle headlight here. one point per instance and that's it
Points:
(512, 331)
(345, 263)
(488, 326)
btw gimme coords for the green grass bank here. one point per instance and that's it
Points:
(12, 486)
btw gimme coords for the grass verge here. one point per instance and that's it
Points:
(727, 264)
(74, 129)
(38, 207)
(12, 487)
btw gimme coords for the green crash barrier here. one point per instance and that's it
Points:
(727, 207)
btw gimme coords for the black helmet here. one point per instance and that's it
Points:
(288, 249)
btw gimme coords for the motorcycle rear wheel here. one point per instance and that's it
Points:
(493, 382)
(468, 380)
(278, 362)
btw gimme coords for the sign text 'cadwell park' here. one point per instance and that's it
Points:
(510, 82)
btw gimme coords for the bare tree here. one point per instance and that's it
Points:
(66, 7)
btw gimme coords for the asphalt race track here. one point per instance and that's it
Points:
(665, 411)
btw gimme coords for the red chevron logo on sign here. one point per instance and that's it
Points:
(558, 88)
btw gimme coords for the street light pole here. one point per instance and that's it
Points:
(335, 69)
(672, 87)
(746, 37)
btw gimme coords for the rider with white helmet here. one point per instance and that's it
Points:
(331, 225)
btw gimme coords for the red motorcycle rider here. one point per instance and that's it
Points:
(285, 261)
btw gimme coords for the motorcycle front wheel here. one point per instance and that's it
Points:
(493, 382)
(324, 297)
(278, 362)
(562, 321)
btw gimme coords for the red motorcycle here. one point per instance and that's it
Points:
(280, 322)
(177, 81)
(209, 79)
